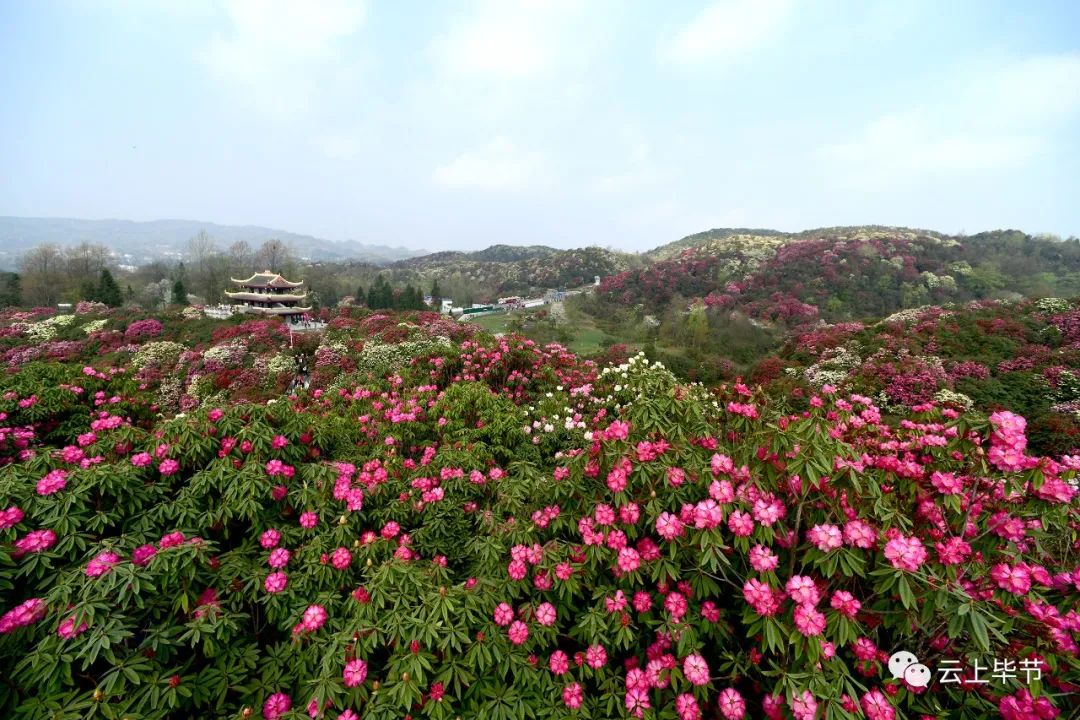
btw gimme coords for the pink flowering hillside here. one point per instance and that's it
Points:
(448, 526)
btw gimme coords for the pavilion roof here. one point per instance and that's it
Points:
(267, 279)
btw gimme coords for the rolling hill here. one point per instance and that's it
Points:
(141, 242)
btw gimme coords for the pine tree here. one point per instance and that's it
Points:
(436, 294)
(179, 293)
(108, 291)
(89, 290)
(361, 298)
(11, 290)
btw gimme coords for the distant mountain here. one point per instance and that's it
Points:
(141, 242)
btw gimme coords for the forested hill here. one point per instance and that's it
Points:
(845, 273)
(505, 269)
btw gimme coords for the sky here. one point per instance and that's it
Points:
(619, 123)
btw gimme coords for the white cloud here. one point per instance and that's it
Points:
(279, 50)
(998, 119)
(497, 166)
(725, 30)
(638, 172)
(338, 146)
(907, 145)
(509, 39)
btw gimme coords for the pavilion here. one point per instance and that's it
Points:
(268, 293)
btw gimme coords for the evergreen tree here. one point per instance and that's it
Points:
(436, 294)
(179, 292)
(10, 290)
(89, 290)
(361, 298)
(381, 295)
(108, 291)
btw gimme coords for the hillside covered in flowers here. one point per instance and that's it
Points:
(437, 523)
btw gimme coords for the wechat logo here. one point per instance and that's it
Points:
(905, 666)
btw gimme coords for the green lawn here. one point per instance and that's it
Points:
(492, 323)
(586, 337)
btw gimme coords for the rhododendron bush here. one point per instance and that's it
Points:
(499, 530)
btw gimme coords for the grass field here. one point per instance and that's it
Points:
(492, 323)
(585, 337)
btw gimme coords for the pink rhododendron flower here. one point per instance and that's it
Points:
(518, 632)
(275, 582)
(35, 541)
(628, 560)
(905, 553)
(276, 705)
(845, 603)
(67, 629)
(26, 613)
(877, 706)
(355, 673)
(676, 604)
(695, 669)
(761, 597)
(731, 704)
(504, 614)
(952, 551)
(596, 656)
(102, 564)
(859, 534)
(826, 537)
(341, 558)
(668, 526)
(10, 517)
(573, 696)
(308, 520)
(559, 663)
(762, 559)
(270, 539)
(278, 558)
(808, 620)
(803, 590)
(947, 483)
(804, 706)
(173, 539)
(545, 614)
(54, 482)
(314, 618)
(687, 708)
(740, 523)
(142, 554)
(1015, 579)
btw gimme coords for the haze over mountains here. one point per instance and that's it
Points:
(140, 242)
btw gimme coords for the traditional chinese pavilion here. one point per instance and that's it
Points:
(268, 293)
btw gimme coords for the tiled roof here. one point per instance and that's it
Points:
(267, 279)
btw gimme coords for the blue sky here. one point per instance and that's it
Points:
(456, 125)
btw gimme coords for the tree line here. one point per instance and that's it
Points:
(48, 275)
